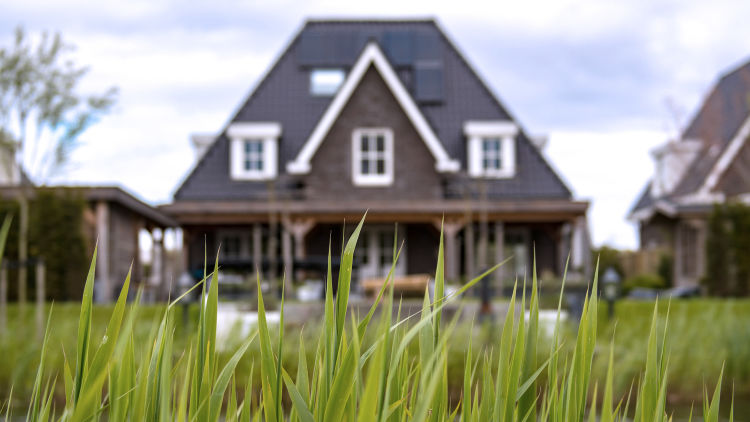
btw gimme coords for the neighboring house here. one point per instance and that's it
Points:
(113, 222)
(710, 163)
(386, 117)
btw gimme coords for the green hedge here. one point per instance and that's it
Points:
(56, 234)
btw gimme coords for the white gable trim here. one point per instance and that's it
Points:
(372, 55)
(659, 206)
(726, 159)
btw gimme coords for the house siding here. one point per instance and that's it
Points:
(736, 179)
(123, 244)
(372, 105)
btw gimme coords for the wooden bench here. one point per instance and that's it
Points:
(408, 285)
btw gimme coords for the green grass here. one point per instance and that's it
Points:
(704, 336)
(141, 365)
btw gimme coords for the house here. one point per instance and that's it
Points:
(386, 116)
(708, 164)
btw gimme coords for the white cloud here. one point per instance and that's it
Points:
(595, 75)
(610, 170)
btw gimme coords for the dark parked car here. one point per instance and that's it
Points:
(642, 293)
(684, 292)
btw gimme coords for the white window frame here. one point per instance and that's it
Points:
(478, 131)
(240, 134)
(360, 179)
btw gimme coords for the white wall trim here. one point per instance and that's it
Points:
(254, 130)
(475, 131)
(490, 128)
(360, 179)
(372, 55)
(726, 159)
(266, 132)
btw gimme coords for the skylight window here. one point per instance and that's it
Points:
(325, 82)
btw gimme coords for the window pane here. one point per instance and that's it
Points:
(326, 81)
(248, 165)
(365, 167)
(380, 143)
(364, 144)
(381, 166)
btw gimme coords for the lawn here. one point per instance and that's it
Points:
(704, 334)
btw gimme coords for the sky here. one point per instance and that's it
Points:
(605, 81)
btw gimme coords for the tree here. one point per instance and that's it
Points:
(42, 115)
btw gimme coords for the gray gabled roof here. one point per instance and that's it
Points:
(716, 123)
(452, 94)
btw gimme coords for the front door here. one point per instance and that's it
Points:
(375, 250)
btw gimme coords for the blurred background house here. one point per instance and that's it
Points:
(708, 164)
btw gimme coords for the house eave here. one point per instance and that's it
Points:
(200, 212)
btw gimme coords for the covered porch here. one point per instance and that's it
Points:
(293, 238)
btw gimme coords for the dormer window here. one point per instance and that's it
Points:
(253, 156)
(491, 148)
(492, 155)
(253, 150)
(326, 82)
(372, 157)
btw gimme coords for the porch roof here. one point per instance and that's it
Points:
(234, 212)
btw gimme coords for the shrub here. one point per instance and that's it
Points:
(646, 281)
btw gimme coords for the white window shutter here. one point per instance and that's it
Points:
(475, 156)
(509, 156)
(270, 157)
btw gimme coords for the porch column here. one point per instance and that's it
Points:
(257, 250)
(299, 229)
(137, 274)
(563, 247)
(102, 259)
(469, 250)
(157, 263)
(499, 256)
(286, 252)
(450, 230)
(581, 247)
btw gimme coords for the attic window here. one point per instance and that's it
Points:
(253, 151)
(325, 82)
(491, 148)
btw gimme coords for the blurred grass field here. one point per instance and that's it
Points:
(703, 334)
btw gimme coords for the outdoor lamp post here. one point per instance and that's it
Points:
(611, 281)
